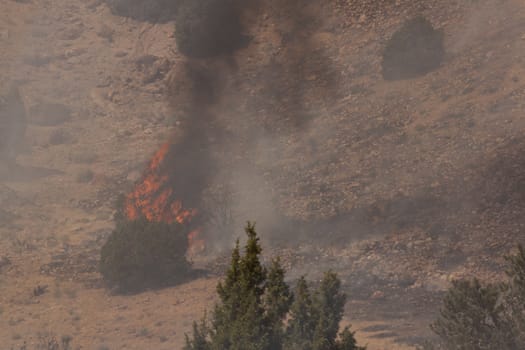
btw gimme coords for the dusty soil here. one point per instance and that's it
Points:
(399, 186)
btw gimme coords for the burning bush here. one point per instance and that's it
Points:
(207, 28)
(142, 254)
(145, 10)
(414, 50)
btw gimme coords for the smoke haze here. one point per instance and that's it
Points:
(400, 185)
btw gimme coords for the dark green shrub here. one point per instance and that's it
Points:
(414, 50)
(207, 28)
(145, 10)
(141, 254)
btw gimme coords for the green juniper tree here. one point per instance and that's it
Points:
(477, 316)
(303, 316)
(329, 303)
(277, 301)
(199, 340)
(238, 322)
(254, 302)
(471, 316)
(347, 341)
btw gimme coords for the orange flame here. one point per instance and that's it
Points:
(152, 198)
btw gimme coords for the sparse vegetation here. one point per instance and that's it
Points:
(477, 316)
(71, 293)
(48, 341)
(59, 137)
(144, 332)
(39, 290)
(163, 339)
(255, 302)
(85, 176)
(141, 254)
(83, 157)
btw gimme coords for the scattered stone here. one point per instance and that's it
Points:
(104, 82)
(121, 53)
(156, 71)
(74, 52)
(377, 295)
(71, 33)
(134, 176)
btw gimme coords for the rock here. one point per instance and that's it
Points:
(377, 295)
(156, 71)
(74, 52)
(134, 176)
(71, 33)
(104, 82)
(121, 53)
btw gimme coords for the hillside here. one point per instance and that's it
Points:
(399, 185)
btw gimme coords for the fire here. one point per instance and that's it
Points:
(153, 198)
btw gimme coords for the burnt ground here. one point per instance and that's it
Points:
(398, 185)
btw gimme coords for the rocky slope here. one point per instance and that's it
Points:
(400, 186)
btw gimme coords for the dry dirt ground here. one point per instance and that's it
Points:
(399, 186)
